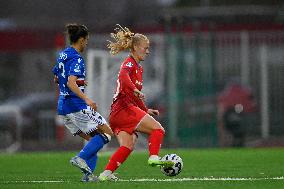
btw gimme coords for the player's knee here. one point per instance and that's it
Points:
(106, 129)
(106, 137)
(110, 131)
(159, 126)
(163, 129)
(129, 144)
(131, 147)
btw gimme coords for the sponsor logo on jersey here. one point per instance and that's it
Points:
(138, 82)
(129, 64)
(77, 68)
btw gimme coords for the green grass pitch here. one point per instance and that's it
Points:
(203, 168)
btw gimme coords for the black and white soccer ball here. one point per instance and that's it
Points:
(176, 168)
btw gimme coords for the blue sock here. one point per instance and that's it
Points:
(92, 147)
(92, 162)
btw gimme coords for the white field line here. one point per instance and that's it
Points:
(202, 179)
(155, 180)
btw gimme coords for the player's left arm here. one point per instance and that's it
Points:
(125, 80)
(72, 85)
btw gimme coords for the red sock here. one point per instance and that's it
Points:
(118, 158)
(155, 141)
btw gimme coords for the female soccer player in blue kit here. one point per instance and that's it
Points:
(74, 107)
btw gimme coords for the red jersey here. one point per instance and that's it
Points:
(130, 76)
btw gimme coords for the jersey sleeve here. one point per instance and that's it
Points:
(76, 67)
(55, 70)
(124, 76)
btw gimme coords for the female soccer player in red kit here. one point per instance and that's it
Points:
(128, 111)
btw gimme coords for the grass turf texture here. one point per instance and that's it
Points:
(52, 170)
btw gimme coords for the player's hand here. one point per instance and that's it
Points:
(56, 80)
(153, 112)
(91, 103)
(139, 94)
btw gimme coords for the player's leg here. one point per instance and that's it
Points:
(92, 162)
(96, 142)
(72, 127)
(101, 129)
(126, 142)
(156, 132)
(84, 136)
(91, 149)
(88, 121)
(123, 123)
(88, 152)
(105, 129)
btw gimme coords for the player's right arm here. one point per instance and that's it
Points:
(55, 72)
(76, 71)
(126, 83)
(125, 80)
(55, 79)
(72, 85)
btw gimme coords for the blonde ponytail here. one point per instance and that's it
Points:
(122, 40)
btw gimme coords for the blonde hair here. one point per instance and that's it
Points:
(124, 39)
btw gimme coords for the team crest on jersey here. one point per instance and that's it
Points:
(63, 56)
(129, 64)
(79, 60)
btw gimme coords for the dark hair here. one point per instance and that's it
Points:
(75, 31)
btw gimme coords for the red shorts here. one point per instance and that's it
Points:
(126, 119)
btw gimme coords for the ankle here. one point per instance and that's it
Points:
(106, 172)
(154, 157)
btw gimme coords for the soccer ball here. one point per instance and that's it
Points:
(176, 168)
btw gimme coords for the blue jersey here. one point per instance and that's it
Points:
(69, 62)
